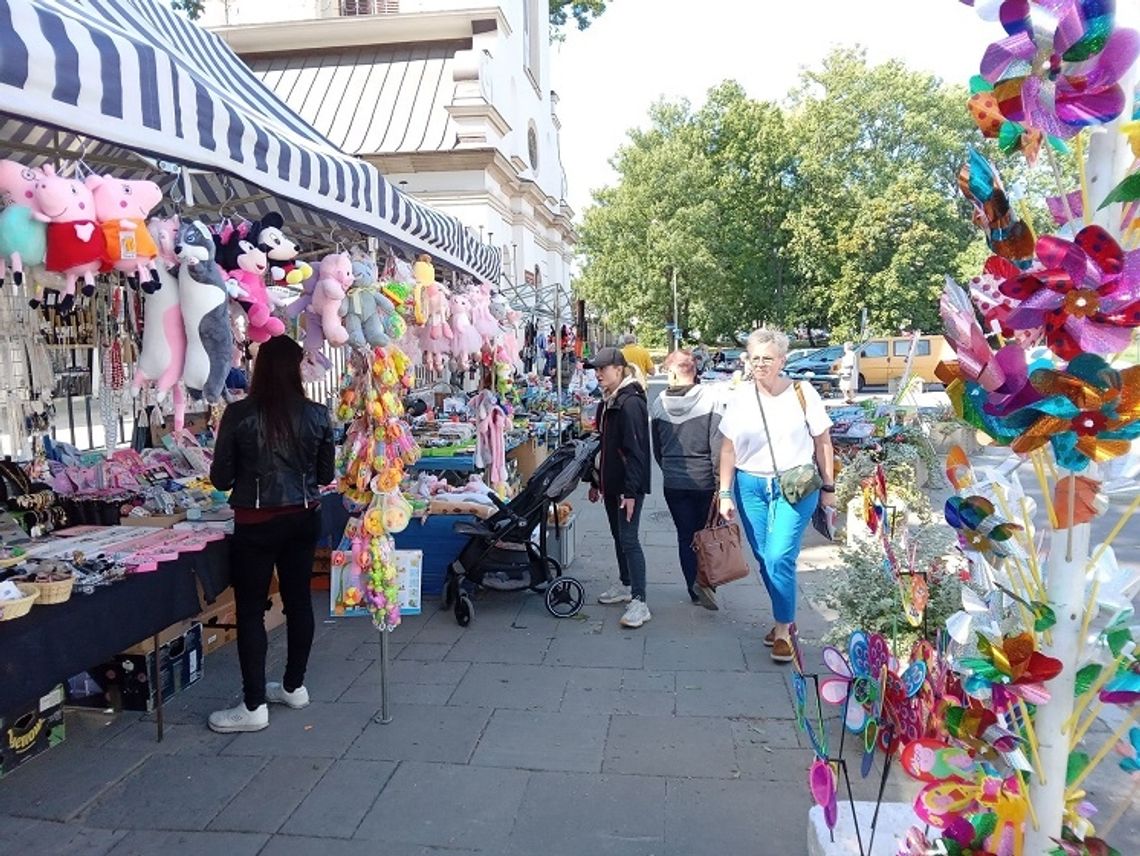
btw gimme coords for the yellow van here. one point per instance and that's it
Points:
(882, 360)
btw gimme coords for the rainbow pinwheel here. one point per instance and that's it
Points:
(1091, 412)
(985, 291)
(1007, 236)
(1058, 69)
(1010, 667)
(1124, 688)
(1086, 294)
(1130, 763)
(980, 528)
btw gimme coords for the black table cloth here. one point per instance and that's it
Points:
(52, 643)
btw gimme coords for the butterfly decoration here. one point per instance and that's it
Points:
(1011, 666)
(1089, 413)
(1086, 294)
(1059, 68)
(980, 529)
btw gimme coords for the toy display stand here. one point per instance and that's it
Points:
(384, 717)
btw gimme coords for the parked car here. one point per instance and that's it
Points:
(823, 361)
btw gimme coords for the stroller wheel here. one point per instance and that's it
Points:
(553, 569)
(564, 597)
(450, 590)
(464, 610)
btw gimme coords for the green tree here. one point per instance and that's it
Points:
(584, 13)
(193, 9)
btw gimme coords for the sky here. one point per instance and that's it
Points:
(640, 50)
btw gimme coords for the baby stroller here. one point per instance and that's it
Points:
(503, 542)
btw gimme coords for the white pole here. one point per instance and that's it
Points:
(676, 322)
(557, 364)
(1108, 159)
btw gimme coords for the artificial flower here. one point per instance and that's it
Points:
(1091, 412)
(1012, 666)
(1086, 294)
(1058, 69)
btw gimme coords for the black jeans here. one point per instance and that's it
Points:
(690, 512)
(630, 558)
(287, 543)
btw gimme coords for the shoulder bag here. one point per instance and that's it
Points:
(800, 481)
(719, 549)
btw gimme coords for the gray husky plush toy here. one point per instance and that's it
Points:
(205, 297)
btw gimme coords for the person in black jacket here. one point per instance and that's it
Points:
(622, 477)
(274, 452)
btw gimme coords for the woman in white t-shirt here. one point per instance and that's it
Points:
(751, 458)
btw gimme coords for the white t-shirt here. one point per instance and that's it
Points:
(794, 444)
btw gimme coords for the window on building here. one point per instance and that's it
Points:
(532, 147)
(532, 34)
(369, 7)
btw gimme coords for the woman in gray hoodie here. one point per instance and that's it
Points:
(686, 445)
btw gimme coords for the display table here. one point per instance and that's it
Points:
(52, 643)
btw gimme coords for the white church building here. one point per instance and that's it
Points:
(450, 99)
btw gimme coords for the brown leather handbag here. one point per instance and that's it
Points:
(720, 554)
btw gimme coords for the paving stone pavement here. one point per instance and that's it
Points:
(520, 734)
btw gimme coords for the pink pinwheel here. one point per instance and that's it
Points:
(1087, 295)
(985, 291)
(1058, 69)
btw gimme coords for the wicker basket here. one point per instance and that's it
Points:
(51, 591)
(20, 607)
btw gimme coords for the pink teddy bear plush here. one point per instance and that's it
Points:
(334, 277)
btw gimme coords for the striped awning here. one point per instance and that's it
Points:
(135, 89)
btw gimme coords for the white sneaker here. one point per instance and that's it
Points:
(617, 594)
(275, 693)
(636, 614)
(239, 718)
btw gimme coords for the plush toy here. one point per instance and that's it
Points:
(246, 263)
(423, 272)
(465, 339)
(121, 207)
(365, 308)
(334, 278)
(511, 339)
(481, 316)
(205, 313)
(76, 246)
(163, 357)
(23, 236)
(284, 269)
(435, 335)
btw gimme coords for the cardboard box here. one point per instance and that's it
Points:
(174, 631)
(158, 521)
(128, 681)
(31, 730)
(197, 424)
(219, 623)
(527, 456)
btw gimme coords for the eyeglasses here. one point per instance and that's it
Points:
(762, 361)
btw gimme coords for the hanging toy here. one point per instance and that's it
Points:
(76, 246)
(246, 264)
(23, 235)
(163, 357)
(423, 271)
(285, 268)
(121, 209)
(365, 308)
(465, 339)
(205, 313)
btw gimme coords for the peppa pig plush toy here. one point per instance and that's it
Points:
(121, 207)
(284, 268)
(163, 356)
(23, 237)
(246, 263)
(76, 246)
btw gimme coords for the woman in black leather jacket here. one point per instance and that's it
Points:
(274, 452)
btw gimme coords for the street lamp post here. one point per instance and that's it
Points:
(676, 320)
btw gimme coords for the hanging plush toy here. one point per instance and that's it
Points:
(511, 340)
(121, 207)
(284, 268)
(435, 336)
(23, 236)
(76, 246)
(246, 263)
(366, 309)
(334, 278)
(423, 272)
(163, 357)
(205, 313)
(465, 339)
(481, 315)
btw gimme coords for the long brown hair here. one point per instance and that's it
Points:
(277, 388)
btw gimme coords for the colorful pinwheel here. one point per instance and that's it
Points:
(1130, 763)
(981, 529)
(1058, 69)
(1086, 294)
(1007, 236)
(1071, 845)
(985, 291)
(1091, 412)
(1011, 667)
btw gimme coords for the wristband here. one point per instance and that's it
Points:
(724, 494)
(827, 488)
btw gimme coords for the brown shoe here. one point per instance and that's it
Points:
(782, 650)
(770, 639)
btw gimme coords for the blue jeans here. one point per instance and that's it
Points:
(775, 530)
(690, 511)
(630, 558)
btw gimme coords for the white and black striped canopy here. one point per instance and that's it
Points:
(114, 79)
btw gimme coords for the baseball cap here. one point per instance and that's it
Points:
(606, 357)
